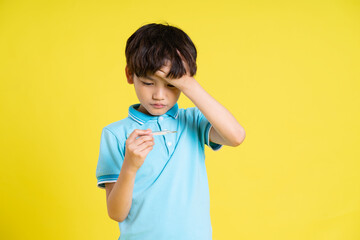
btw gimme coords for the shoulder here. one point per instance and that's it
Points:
(120, 128)
(191, 112)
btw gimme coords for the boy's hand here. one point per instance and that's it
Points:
(179, 83)
(138, 145)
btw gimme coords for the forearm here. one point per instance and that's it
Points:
(220, 118)
(120, 198)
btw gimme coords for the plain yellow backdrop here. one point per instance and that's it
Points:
(289, 71)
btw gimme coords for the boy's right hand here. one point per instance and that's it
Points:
(138, 145)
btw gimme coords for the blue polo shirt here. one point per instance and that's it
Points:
(171, 194)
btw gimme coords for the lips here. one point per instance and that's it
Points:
(158, 105)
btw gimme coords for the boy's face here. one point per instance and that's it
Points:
(156, 96)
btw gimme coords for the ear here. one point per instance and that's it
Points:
(129, 75)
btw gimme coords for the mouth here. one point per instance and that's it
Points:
(158, 105)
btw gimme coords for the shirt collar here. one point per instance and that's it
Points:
(143, 118)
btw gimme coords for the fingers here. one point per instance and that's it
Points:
(143, 142)
(143, 139)
(186, 66)
(162, 73)
(138, 145)
(148, 145)
(137, 133)
(139, 140)
(180, 55)
(146, 151)
(165, 69)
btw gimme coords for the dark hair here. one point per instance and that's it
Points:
(153, 44)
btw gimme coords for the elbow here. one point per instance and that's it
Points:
(239, 139)
(117, 213)
(117, 218)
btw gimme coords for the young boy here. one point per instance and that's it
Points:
(156, 185)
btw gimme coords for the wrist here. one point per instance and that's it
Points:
(128, 168)
(189, 84)
(185, 83)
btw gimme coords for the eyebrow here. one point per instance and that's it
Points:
(149, 78)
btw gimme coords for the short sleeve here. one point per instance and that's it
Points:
(204, 127)
(110, 159)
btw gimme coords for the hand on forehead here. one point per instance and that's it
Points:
(165, 69)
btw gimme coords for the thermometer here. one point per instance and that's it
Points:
(163, 132)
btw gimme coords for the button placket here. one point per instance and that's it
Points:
(170, 142)
(162, 127)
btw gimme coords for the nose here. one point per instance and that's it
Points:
(159, 93)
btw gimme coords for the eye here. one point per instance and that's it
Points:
(147, 84)
(171, 86)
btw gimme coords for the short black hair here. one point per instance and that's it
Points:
(153, 44)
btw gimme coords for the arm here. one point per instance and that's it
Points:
(119, 194)
(225, 128)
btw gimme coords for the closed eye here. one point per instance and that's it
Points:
(147, 84)
(171, 86)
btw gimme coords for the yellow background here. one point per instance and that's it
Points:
(288, 71)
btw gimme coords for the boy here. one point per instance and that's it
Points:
(156, 185)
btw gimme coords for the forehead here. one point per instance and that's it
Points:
(158, 75)
(151, 78)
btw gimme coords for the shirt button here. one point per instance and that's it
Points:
(169, 144)
(161, 118)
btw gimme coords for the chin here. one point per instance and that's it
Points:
(157, 112)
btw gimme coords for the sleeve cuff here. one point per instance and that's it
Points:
(106, 179)
(213, 146)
